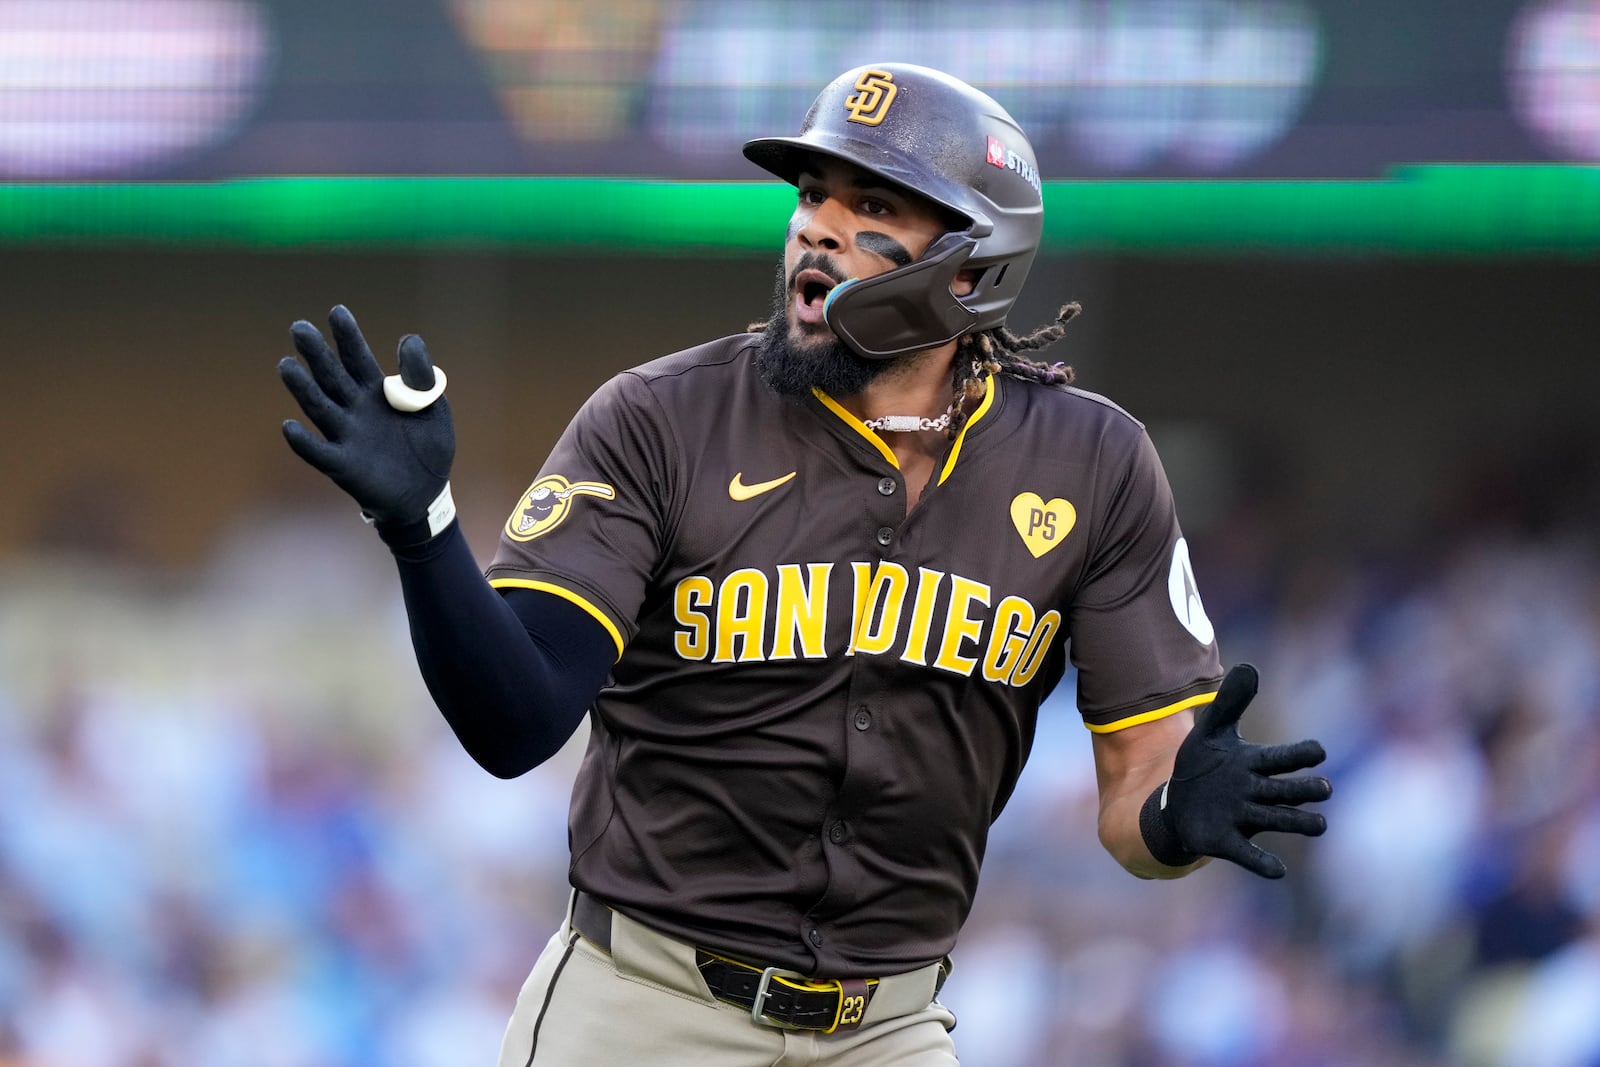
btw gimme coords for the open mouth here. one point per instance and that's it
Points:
(811, 288)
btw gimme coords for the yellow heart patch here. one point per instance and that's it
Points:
(1042, 526)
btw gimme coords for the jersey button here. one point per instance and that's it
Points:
(887, 486)
(863, 719)
(815, 936)
(885, 536)
(837, 833)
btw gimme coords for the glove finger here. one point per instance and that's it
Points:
(416, 369)
(1291, 790)
(1280, 759)
(311, 448)
(353, 351)
(323, 412)
(1237, 690)
(1259, 817)
(308, 341)
(1235, 849)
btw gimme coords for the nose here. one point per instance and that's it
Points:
(823, 227)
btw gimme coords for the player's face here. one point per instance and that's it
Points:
(860, 225)
(847, 224)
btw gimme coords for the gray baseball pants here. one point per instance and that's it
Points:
(644, 1004)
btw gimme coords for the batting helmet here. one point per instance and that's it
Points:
(935, 135)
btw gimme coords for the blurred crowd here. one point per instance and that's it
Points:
(236, 833)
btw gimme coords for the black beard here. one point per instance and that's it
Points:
(793, 366)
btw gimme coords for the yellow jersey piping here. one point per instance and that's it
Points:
(857, 425)
(1151, 716)
(983, 409)
(564, 594)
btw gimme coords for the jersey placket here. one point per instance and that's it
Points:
(872, 682)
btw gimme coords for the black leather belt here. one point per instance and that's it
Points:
(775, 996)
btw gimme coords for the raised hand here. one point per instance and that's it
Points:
(390, 447)
(1225, 790)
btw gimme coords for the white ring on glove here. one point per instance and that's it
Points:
(402, 397)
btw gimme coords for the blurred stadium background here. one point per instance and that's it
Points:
(1342, 256)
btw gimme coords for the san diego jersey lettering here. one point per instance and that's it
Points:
(753, 616)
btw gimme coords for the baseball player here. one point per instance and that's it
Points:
(810, 584)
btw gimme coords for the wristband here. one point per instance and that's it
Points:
(409, 534)
(1155, 826)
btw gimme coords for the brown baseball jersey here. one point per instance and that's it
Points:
(821, 702)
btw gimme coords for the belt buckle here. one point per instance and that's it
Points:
(762, 993)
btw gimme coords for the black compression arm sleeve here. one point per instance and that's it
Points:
(513, 675)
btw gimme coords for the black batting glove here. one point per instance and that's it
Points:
(394, 463)
(1225, 790)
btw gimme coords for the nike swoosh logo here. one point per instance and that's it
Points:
(739, 491)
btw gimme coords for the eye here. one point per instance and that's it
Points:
(873, 206)
(812, 197)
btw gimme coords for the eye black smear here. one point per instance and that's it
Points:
(881, 244)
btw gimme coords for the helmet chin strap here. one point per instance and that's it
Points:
(906, 309)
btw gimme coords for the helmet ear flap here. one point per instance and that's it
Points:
(1000, 282)
(906, 309)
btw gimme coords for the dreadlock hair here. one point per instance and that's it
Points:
(999, 351)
